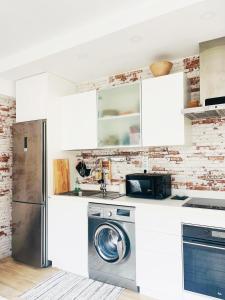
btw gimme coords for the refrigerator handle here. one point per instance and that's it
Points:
(44, 234)
(25, 144)
(44, 163)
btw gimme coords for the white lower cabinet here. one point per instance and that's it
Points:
(68, 234)
(158, 245)
(158, 256)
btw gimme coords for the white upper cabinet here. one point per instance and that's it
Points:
(163, 99)
(79, 121)
(37, 96)
(31, 98)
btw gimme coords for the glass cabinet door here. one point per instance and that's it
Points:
(119, 116)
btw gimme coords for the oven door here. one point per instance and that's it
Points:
(204, 268)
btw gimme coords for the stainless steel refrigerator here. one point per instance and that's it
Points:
(29, 195)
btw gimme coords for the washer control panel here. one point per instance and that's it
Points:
(112, 212)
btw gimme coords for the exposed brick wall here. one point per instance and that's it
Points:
(197, 167)
(7, 117)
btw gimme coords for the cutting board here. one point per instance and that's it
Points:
(61, 176)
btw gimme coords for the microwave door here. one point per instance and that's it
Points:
(140, 188)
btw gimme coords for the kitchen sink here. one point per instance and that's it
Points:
(94, 194)
(108, 195)
(85, 193)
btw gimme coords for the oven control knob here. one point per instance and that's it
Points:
(109, 214)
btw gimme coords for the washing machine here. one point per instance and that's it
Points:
(111, 244)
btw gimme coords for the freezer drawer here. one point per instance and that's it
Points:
(29, 233)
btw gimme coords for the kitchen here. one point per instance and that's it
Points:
(116, 183)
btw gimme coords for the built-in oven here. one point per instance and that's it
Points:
(204, 260)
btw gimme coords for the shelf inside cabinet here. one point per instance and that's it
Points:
(131, 115)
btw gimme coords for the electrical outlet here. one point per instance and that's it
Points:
(145, 163)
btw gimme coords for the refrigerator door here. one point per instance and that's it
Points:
(29, 233)
(29, 162)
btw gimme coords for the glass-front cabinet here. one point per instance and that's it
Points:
(119, 122)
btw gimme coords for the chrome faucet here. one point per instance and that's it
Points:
(102, 181)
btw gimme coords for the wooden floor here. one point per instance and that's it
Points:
(16, 278)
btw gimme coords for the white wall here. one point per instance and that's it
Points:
(7, 87)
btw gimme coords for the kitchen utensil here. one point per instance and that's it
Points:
(82, 169)
(61, 178)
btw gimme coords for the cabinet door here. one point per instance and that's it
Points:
(158, 252)
(79, 121)
(161, 275)
(119, 116)
(162, 104)
(31, 98)
(68, 234)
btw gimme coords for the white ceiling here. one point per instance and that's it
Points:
(26, 23)
(30, 38)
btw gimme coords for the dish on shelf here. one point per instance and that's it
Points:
(124, 113)
(134, 138)
(135, 129)
(109, 113)
(111, 140)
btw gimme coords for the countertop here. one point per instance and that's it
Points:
(127, 201)
(167, 210)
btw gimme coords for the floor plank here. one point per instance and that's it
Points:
(16, 278)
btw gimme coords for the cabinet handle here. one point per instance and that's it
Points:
(205, 246)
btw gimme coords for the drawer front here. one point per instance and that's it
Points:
(160, 219)
(159, 271)
(158, 242)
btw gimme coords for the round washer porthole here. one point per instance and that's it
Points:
(111, 243)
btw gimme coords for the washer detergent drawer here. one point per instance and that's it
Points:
(204, 269)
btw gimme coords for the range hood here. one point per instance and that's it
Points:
(212, 81)
(212, 69)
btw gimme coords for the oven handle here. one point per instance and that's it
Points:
(203, 245)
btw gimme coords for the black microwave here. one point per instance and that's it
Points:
(146, 185)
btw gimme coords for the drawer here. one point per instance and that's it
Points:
(160, 219)
(158, 242)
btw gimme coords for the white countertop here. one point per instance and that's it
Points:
(127, 201)
(192, 215)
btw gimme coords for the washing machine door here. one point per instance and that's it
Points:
(111, 243)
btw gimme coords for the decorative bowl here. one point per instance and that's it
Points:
(161, 68)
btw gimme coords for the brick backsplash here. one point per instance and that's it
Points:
(7, 117)
(200, 166)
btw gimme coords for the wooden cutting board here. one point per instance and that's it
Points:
(61, 176)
